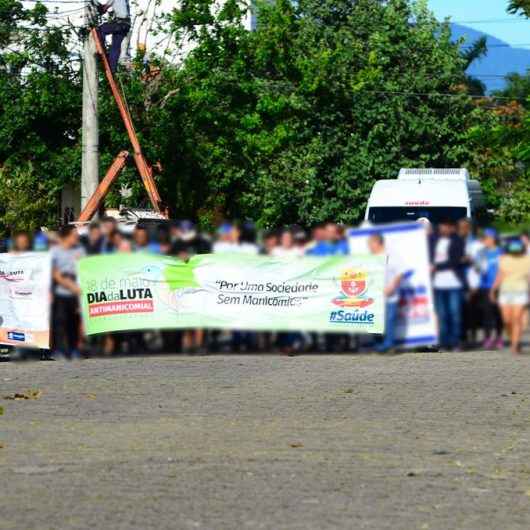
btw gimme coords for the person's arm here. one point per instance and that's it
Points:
(103, 8)
(66, 282)
(392, 287)
(496, 284)
(455, 256)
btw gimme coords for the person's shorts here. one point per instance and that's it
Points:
(513, 298)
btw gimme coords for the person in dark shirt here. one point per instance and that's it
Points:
(109, 226)
(188, 241)
(447, 252)
(94, 240)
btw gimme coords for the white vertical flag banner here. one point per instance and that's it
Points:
(25, 282)
(407, 247)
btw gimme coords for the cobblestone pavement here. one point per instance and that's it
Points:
(426, 441)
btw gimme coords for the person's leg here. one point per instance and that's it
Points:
(498, 325)
(115, 47)
(506, 311)
(105, 30)
(454, 309)
(390, 328)
(468, 331)
(517, 327)
(198, 335)
(440, 304)
(487, 313)
(59, 345)
(187, 343)
(72, 327)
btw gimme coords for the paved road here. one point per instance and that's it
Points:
(427, 441)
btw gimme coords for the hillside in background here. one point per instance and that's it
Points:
(501, 59)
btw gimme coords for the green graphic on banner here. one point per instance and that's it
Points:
(232, 291)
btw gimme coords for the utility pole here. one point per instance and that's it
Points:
(90, 134)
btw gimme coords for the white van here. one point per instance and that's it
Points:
(433, 193)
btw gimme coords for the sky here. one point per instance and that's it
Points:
(489, 16)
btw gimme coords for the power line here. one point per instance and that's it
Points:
(505, 45)
(490, 21)
(495, 76)
(437, 94)
(62, 13)
(58, 1)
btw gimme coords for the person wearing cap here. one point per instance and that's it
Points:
(40, 241)
(511, 284)
(486, 267)
(188, 242)
(225, 239)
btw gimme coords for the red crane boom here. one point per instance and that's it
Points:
(145, 170)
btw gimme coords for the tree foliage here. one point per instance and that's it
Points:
(521, 7)
(291, 122)
(39, 116)
(295, 121)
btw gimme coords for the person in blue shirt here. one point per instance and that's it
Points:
(487, 265)
(328, 240)
(142, 242)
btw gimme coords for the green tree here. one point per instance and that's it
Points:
(39, 109)
(291, 122)
(521, 7)
(295, 121)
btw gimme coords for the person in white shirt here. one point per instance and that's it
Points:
(447, 251)
(393, 278)
(287, 246)
(230, 240)
(119, 26)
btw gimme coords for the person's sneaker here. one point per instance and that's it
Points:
(45, 356)
(488, 344)
(75, 355)
(499, 344)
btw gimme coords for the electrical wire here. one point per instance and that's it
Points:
(505, 45)
(436, 94)
(58, 1)
(490, 21)
(63, 13)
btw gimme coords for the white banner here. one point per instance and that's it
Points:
(25, 282)
(407, 247)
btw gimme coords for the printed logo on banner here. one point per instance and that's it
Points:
(353, 285)
(414, 305)
(16, 336)
(125, 301)
(12, 276)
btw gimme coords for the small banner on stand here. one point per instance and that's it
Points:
(25, 283)
(407, 249)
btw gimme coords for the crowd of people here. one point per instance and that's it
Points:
(480, 284)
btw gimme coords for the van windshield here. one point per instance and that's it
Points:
(393, 214)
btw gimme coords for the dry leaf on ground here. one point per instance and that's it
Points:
(30, 394)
